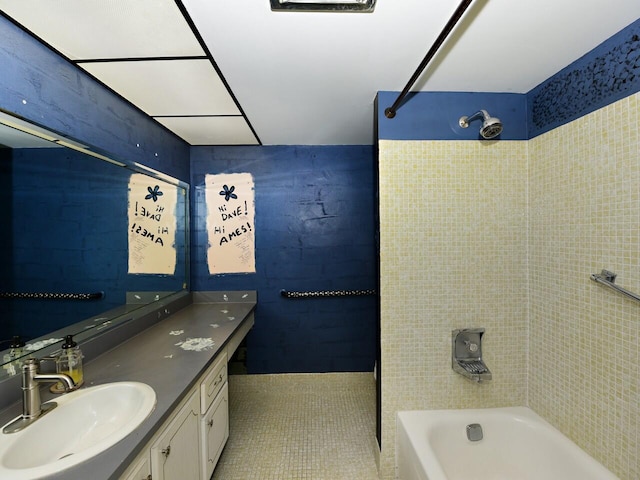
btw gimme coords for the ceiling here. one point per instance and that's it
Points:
(232, 72)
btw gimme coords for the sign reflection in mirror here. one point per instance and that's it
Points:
(70, 251)
(152, 225)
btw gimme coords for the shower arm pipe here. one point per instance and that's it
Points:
(457, 15)
(480, 113)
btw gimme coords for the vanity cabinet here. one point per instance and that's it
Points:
(189, 444)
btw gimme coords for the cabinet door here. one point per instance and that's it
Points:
(214, 430)
(175, 455)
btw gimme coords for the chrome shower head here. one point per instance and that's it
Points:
(491, 126)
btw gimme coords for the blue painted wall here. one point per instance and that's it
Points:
(59, 230)
(314, 230)
(435, 115)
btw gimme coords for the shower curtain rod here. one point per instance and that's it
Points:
(457, 15)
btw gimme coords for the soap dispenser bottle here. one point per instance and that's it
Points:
(69, 362)
(11, 360)
(16, 349)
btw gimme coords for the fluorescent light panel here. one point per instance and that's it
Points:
(211, 130)
(97, 29)
(167, 87)
(324, 5)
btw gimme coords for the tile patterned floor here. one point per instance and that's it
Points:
(300, 427)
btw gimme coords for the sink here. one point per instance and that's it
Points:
(85, 423)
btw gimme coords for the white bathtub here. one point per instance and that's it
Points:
(517, 444)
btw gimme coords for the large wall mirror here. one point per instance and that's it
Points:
(86, 239)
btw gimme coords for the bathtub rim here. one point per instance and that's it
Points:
(407, 426)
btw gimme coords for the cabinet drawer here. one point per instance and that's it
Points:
(214, 432)
(213, 382)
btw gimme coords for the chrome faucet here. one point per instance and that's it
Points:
(32, 408)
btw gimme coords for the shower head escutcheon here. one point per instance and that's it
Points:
(491, 126)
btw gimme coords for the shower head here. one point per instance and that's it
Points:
(491, 126)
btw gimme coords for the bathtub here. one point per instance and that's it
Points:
(516, 444)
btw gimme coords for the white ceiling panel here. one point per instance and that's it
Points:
(100, 29)
(167, 87)
(211, 130)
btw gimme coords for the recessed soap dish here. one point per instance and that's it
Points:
(474, 367)
(466, 354)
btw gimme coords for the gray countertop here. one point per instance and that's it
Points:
(156, 357)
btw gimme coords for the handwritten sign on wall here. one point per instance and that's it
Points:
(152, 225)
(230, 223)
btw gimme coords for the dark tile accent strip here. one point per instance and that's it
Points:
(603, 76)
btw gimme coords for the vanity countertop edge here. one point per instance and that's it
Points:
(170, 356)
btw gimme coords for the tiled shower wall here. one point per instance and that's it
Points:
(453, 243)
(504, 235)
(584, 338)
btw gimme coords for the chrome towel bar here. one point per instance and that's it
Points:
(607, 278)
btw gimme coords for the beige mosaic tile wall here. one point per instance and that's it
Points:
(584, 339)
(453, 233)
(457, 251)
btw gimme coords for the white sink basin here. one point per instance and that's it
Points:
(85, 423)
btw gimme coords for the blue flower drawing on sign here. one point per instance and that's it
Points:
(228, 192)
(153, 194)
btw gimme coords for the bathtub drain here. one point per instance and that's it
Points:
(474, 432)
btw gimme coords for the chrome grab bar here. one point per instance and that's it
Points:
(607, 278)
(52, 296)
(327, 293)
